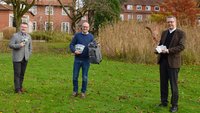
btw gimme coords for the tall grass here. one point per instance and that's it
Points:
(131, 41)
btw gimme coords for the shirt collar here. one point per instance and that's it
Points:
(85, 33)
(23, 34)
(172, 30)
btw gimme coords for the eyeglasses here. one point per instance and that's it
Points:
(85, 26)
(170, 21)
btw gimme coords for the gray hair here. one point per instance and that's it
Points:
(171, 16)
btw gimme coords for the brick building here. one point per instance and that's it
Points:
(140, 9)
(49, 15)
(6, 17)
(44, 15)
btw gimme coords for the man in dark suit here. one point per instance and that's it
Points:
(21, 46)
(169, 59)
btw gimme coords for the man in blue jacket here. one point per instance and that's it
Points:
(79, 46)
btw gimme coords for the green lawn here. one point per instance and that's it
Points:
(114, 87)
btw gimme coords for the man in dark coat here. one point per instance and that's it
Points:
(172, 43)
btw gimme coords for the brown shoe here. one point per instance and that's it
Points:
(83, 95)
(74, 94)
(18, 92)
(23, 90)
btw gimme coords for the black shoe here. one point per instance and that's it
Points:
(173, 109)
(163, 105)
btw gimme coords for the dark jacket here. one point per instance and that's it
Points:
(176, 45)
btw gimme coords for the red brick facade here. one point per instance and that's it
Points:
(58, 21)
(40, 18)
(6, 17)
(140, 9)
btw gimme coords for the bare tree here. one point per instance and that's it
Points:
(76, 12)
(20, 7)
(98, 12)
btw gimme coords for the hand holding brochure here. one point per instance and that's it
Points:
(79, 47)
(160, 48)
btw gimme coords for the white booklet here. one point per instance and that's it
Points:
(79, 47)
(160, 48)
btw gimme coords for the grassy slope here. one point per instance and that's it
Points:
(113, 87)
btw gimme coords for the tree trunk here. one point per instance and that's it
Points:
(73, 27)
(18, 22)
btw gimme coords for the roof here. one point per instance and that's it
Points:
(143, 2)
(52, 2)
(4, 7)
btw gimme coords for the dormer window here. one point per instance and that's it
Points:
(156, 8)
(33, 9)
(148, 8)
(129, 7)
(139, 7)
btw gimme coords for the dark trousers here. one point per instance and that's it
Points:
(19, 70)
(168, 74)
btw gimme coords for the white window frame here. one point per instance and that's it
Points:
(45, 26)
(63, 12)
(49, 9)
(25, 18)
(155, 8)
(84, 18)
(138, 7)
(122, 17)
(11, 19)
(66, 27)
(129, 7)
(130, 17)
(35, 25)
(148, 8)
(139, 17)
(33, 9)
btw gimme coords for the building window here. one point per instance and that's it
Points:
(65, 27)
(122, 17)
(148, 8)
(139, 7)
(139, 17)
(33, 9)
(129, 7)
(48, 26)
(34, 26)
(84, 18)
(49, 10)
(157, 8)
(199, 21)
(25, 19)
(12, 23)
(130, 17)
(64, 13)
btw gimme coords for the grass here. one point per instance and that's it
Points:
(114, 87)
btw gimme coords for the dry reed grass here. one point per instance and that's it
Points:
(131, 41)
